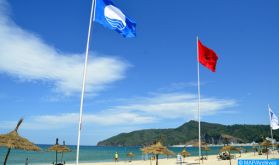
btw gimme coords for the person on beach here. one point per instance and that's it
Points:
(26, 161)
(116, 157)
(179, 159)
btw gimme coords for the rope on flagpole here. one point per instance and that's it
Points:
(92, 15)
(199, 99)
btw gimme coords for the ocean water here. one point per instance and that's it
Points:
(87, 154)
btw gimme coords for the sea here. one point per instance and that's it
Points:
(89, 154)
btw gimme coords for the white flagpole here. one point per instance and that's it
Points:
(270, 122)
(92, 15)
(270, 127)
(199, 99)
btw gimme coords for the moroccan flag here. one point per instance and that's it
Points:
(207, 57)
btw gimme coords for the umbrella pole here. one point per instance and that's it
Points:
(56, 157)
(230, 158)
(7, 155)
(157, 156)
(62, 157)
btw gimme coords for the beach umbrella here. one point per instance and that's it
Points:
(156, 149)
(66, 149)
(58, 149)
(255, 148)
(206, 149)
(184, 153)
(196, 143)
(240, 149)
(130, 155)
(146, 150)
(266, 144)
(169, 152)
(204, 146)
(228, 149)
(12, 140)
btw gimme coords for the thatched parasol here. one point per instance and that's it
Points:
(204, 147)
(240, 150)
(228, 149)
(130, 155)
(255, 148)
(184, 153)
(266, 144)
(156, 149)
(13, 141)
(169, 152)
(59, 149)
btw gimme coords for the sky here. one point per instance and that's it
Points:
(149, 81)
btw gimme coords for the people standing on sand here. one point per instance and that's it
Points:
(116, 157)
(26, 161)
(179, 159)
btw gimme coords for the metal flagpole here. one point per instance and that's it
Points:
(270, 125)
(92, 15)
(199, 99)
(270, 121)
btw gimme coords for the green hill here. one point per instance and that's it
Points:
(211, 133)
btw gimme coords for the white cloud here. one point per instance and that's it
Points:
(143, 110)
(27, 57)
(177, 105)
(71, 119)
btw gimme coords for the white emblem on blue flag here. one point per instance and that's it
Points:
(115, 17)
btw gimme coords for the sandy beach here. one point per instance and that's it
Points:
(212, 160)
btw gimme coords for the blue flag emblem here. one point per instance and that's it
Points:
(107, 14)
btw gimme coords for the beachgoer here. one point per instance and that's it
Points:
(26, 161)
(179, 159)
(116, 157)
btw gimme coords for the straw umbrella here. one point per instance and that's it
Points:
(266, 144)
(240, 149)
(254, 148)
(228, 149)
(168, 152)
(156, 149)
(206, 149)
(184, 153)
(130, 155)
(66, 149)
(146, 150)
(13, 141)
(58, 149)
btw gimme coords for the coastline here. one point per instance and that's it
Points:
(218, 145)
(212, 159)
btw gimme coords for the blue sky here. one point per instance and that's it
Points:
(145, 82)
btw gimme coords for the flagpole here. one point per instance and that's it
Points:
(270, 125)
(92, 15)
(199, 99)
(270, 121)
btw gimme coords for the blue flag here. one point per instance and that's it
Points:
(107, 14)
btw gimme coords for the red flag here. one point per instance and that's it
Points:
(207, 57)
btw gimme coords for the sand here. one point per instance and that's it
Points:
(212, 160)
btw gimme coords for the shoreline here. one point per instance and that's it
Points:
(217, 145)
(211, 159)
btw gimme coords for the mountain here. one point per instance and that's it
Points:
(211, 133)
